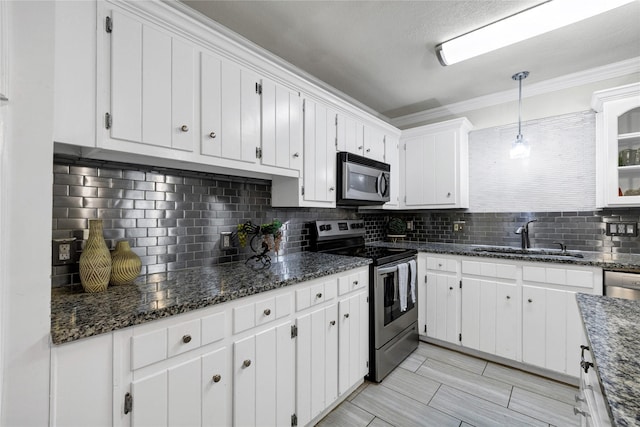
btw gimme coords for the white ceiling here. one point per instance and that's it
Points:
(382, 54)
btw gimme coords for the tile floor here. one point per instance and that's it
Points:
(435, 386)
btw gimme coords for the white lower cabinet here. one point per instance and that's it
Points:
(522, 311)
(263, 378)
(240, 363)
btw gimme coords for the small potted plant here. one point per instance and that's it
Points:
(396, 229)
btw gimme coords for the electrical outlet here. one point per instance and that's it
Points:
(225, 240)
(63, 251)
(627, 229)
(410, 225)
(458, 226)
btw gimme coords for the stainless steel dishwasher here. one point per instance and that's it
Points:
(622, 284)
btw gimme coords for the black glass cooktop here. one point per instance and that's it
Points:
(377, 254)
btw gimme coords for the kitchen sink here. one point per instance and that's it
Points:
(531, 252)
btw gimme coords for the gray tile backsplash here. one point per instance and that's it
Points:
(173, 219)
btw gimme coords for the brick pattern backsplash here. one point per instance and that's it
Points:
(171, 218)
(578, 230)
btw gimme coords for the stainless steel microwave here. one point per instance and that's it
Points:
(361, 181)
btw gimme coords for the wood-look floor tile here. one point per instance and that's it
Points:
(451, 357)
(377, 422)
(346, 415)
(486, 388)
(478, 412)
(411, 385)
(543, 408)
(357, 391)
(400, 410)
(413, 362)
(544, 386)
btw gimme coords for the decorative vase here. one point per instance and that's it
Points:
(95, 260)
(125, 264)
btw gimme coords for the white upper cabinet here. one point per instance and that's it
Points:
(391, 156)
(434, 161)
(349, 134)
(373, 143)
(230, 109)
(319, 153)
(617, 146)
(4, 52)
(152, 85)
(281, 126)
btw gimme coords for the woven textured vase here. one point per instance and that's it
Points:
(125, 264)
(95, 260)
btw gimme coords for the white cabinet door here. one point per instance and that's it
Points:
(212, 137)
(353, 340)
(331, 353)
(152, 85)
(373, 143)
(281, 126)
(216, 391)
(507, 314)
(391, 156)
(533, 325)
(184, 394)
(350, 134)
(151, 400)
(435, 160)
(263, 378)
(319, 153)
(443, 307)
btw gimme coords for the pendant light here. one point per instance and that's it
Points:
(520, 147)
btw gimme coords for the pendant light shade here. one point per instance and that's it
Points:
(520, 148)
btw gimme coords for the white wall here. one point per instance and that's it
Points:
(26, 222)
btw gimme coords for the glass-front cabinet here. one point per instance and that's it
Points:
(617, 146)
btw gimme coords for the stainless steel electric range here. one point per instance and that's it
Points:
(393, 319)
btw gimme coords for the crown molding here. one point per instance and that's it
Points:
(592, 75)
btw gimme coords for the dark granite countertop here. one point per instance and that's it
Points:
(629, 262)
(612, 327)
(76, 314)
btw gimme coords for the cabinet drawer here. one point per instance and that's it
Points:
(352, 282)
(265, 311)
(489, 269)
(442, 264)
(244, 317)
(183, 337)
(148, 348)
(558, 276)
(213, 328)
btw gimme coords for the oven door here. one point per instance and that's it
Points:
(389, 320)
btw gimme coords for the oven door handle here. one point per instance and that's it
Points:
(387, 270)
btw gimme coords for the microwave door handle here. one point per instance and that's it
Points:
(379, 184)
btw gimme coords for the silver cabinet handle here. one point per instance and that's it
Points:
(296, 155)
(508, 297)
(355, 283)
(267, 311)
(368, 150)
(184, 128)
(448, 194)
(332, 323)
(360, 147)
(246, 363)
(579, 399)
(216, 378)
(331, 188)
(212, 135)
(346, 315)
(319, 295)
(450, 288)
(186, 339)
(530, 300)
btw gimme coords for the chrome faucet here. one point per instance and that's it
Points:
(523, 231)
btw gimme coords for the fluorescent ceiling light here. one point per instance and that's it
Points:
(529, 23)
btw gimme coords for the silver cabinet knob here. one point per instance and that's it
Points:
(448, 194)
(319, 295)
(368, 150)
(267, 311)
(579, 399)
(186, 339)
(530, 300)
(216, 378)
(184, 128)
(331, 188)
(346, 315)
(355, 283)
(246, 363)
(212, 135)
(360, 147)
(296, 155)
(450, 288)
(508, 297)
(332, 323)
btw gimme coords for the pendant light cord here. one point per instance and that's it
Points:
(519, 76)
